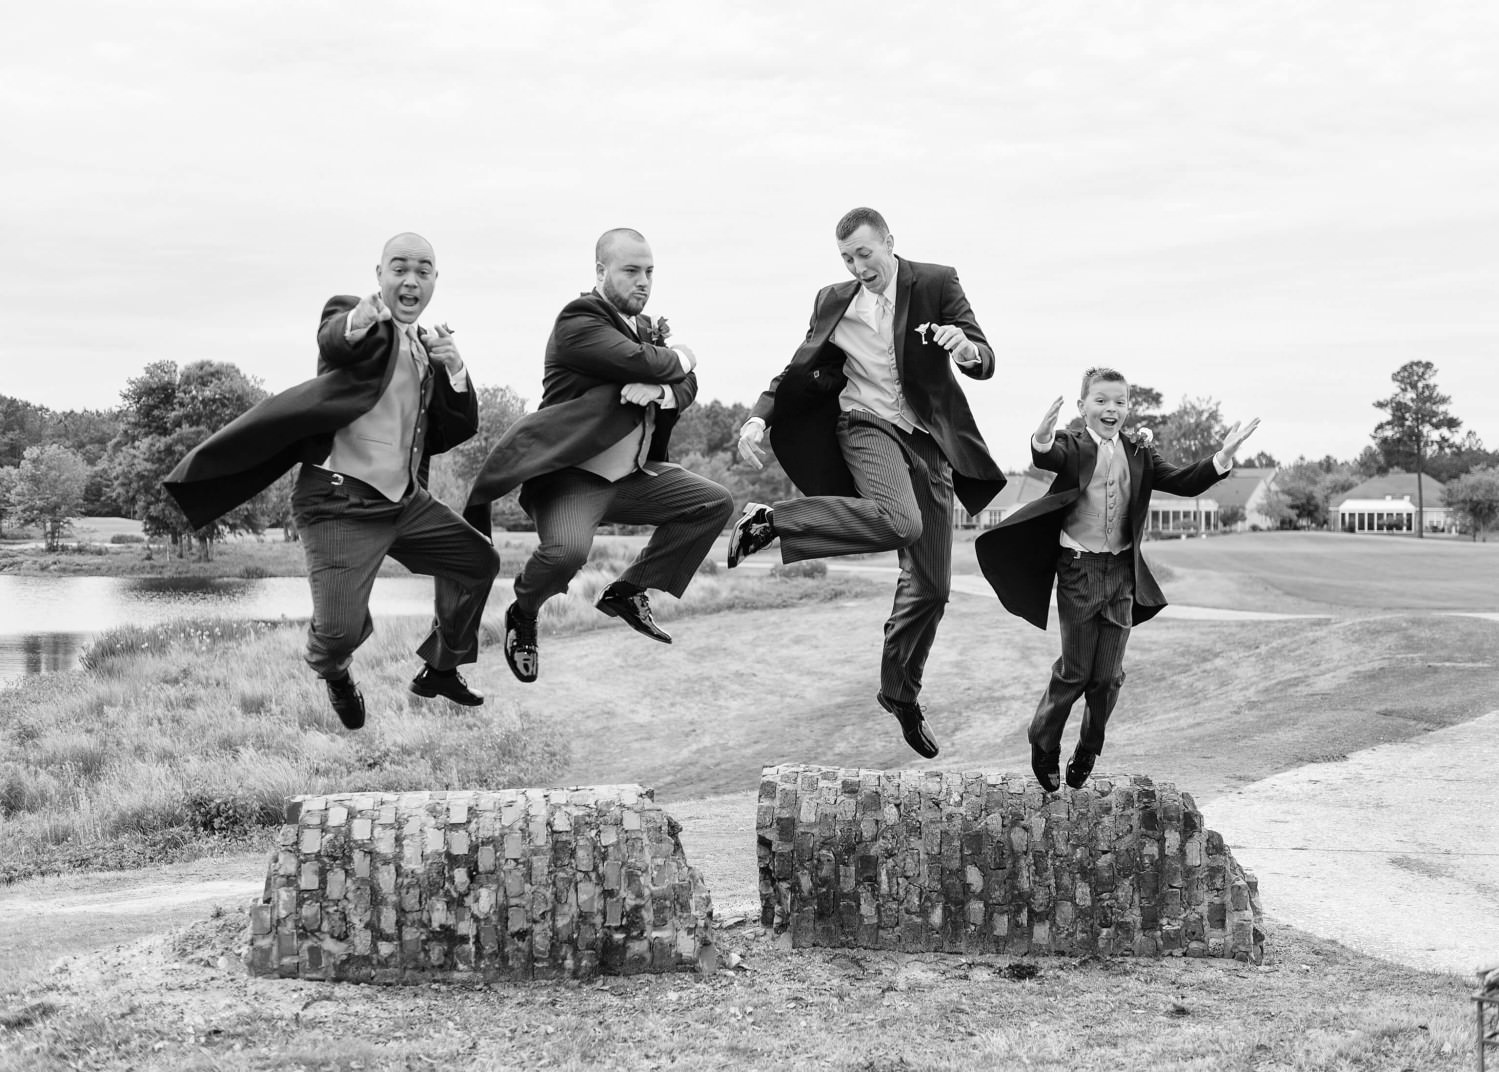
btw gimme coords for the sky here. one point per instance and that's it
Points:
(1273, 205)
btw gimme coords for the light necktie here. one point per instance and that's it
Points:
(882, 314)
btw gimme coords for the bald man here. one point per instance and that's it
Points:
(595, 452)
(388, 395)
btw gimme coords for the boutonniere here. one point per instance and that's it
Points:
(1140, 436)
(922, 330)
(657, 331)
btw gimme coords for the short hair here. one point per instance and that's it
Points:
(858, 217)
(605, 245)
(1102, 372)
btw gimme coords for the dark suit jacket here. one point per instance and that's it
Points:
(1019, 555)
(801, 404)
(589, 357)
(245, 456)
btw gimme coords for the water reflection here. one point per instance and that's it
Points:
(45, 622)
(43, 653)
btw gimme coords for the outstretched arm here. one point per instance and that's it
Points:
(1044, 450)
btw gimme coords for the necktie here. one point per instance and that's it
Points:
(882, 311)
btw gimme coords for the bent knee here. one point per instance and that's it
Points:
(904, 528)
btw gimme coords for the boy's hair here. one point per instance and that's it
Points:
(1101, 372)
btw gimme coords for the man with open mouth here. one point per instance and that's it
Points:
(388, 395)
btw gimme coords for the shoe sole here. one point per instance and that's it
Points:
(664, 637)
(735, 557)
(432, 694)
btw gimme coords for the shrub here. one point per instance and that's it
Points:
(810, 569)
(126, 537)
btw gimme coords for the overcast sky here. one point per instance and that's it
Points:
(1272, 204)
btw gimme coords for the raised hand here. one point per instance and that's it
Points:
(1048, 426)
(441, 350)
(964, 351)
(751, 432)
(1234, 438)
(641, 394)
(370, 311)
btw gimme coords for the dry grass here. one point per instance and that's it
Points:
(1314, 1007)
(186, 738)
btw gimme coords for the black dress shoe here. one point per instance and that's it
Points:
(1046, 766)
(754, 531)
(520, 645)
(625, 601)
(912, 724)
(1080, 766)
(450, 686)
(347, 700)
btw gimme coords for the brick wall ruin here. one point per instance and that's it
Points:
(975, 862)
(479, 886)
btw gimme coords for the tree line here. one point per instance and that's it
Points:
(55, 466)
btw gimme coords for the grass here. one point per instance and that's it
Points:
(788, 672)
(1313, 1007)
(184, 739)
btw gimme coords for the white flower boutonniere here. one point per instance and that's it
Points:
(659, 331)
(1141, 436)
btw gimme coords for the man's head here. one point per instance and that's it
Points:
(1104, 402)
(624, 267)
(867, 248)
(407, 274)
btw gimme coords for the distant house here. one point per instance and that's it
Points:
(1175, 515)
(1247, 490)
(1019, 489)
(1388, 504)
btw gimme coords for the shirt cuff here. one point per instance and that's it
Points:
(1041, 446)
(1223, 467)
(459, 379)
(688, 364)
(668, 398)
(756, 420)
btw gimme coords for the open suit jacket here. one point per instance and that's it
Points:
(589, 357)
(801, 404)
(1019, 555)
(245, 456)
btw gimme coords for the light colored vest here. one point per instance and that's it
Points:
(873, 380)
(1099, 520)
(384, 446)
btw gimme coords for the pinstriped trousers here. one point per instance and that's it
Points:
(904, 503)
(349, 529)
(1095, 607)
(688, 510)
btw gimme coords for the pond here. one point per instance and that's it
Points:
(46, 622)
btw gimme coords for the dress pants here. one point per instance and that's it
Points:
(348, 529)
(688, 510)
(904, 503)
(1095, 605)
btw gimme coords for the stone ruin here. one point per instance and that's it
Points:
(479, 886)
(976, 862)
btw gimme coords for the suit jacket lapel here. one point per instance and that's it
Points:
(904, 280)
(1087, 458)
(840, 297)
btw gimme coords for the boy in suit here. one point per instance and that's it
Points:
(1085, 534)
